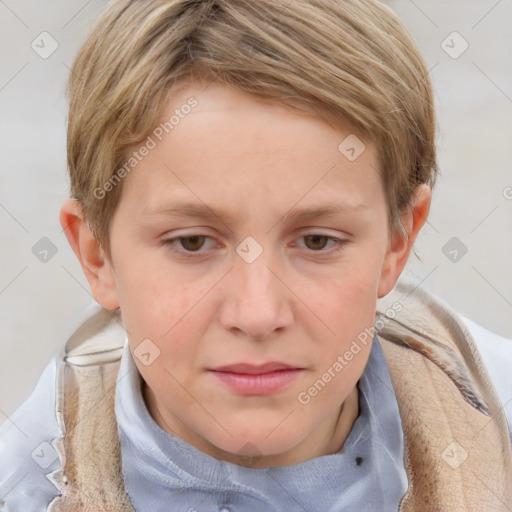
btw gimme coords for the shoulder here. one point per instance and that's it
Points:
(26, 448)
(496, 352)
(29, 438)
(417, 304)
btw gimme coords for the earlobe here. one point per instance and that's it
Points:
(401, 243)
(96, 266)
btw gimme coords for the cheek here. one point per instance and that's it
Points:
(175, 329)
(163, 311)
(152, 295)
(347, 300)
(346, 305)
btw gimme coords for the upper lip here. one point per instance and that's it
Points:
(255, 369)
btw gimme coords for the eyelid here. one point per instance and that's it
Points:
(338, 245)
(170, 242)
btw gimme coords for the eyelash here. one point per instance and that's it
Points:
(339, 245)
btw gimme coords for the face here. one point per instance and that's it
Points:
(248, 253)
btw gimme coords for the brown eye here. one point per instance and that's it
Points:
(316, 242)
(192, 243)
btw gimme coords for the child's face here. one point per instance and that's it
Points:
(248, 167)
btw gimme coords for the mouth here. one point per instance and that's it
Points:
(263, 379)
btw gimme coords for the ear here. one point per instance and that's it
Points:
(400, 245)
(97, 268)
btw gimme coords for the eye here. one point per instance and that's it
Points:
(317, 242)
(197, 245)
(190, 245)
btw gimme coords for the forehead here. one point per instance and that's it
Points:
(247, 155)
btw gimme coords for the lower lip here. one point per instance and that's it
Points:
(263, 384)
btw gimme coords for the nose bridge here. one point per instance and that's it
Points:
(258, 303)
(252, 262)
(256, 280)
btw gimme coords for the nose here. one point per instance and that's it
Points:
(257, 303)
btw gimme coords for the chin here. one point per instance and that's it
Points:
(258, 443)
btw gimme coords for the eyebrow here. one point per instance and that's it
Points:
(199, 210)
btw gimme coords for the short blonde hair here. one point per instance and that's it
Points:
(351, 62)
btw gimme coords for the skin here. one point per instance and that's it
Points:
(302, 301)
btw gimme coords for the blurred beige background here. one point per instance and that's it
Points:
(464, 250)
